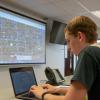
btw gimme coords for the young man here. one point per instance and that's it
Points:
(81, 38)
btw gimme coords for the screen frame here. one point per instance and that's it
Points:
(56, 35)
(20, 69)
(34, 19)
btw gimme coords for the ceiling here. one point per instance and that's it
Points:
(61, 10)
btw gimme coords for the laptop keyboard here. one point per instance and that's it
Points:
(31, 95)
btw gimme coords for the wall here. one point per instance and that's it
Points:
(17, 8)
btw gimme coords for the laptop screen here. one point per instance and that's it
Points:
(22, 79)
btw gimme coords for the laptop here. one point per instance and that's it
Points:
(22, 79)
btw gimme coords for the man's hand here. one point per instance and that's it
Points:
(49, 88)
(37, 91)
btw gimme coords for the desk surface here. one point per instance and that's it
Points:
(20, 99)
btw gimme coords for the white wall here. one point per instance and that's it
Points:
(54, 59)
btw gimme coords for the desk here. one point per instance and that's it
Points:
(67, 79)
(9, 96)
(13, 98)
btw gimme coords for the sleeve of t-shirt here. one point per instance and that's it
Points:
(85, 71)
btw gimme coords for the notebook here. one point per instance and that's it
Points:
(22, 79)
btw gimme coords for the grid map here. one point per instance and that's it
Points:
(21, 42)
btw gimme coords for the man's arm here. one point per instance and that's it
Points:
(55, 89)
(76, 91)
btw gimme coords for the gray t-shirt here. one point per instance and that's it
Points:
(87, 71)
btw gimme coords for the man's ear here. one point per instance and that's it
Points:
(81, 36)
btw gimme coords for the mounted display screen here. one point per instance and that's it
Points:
(22, 39)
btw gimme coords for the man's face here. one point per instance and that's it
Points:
(73, 43)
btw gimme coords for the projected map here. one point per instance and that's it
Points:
(21, 40)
